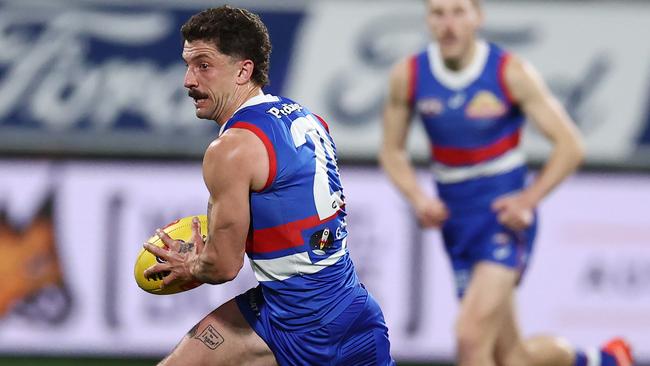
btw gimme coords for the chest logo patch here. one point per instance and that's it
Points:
(485, 105)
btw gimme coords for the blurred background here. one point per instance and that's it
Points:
(99, 146)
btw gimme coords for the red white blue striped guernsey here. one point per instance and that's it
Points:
(297, 244)
(472, 123)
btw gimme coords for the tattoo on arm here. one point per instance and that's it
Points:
(210, 337)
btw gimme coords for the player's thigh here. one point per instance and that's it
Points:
(223, 337)
(485, 303)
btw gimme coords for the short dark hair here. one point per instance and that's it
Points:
(235, 32)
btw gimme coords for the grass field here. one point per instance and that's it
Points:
(46, 361)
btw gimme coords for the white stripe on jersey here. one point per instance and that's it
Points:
(279, 269)
(504, 163)
(593, 357)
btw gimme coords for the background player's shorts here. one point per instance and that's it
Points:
(477, 236)
(358, 336)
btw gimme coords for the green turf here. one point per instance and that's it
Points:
(48, 361)
(57, 361)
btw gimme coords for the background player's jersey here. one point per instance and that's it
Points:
(297, 244)
(473, 125)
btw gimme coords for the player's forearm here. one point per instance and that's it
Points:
(216, 266)
(565, 158)
(204, 269)
(400, 171)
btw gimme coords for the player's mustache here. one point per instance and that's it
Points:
(448, 35)
(193, 93)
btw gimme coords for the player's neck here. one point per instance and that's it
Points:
(238, 98)
(460, 63)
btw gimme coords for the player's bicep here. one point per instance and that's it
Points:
(232, 166)
(397, 108)
(537, 102)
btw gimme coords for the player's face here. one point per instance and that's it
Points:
(453, 24)
(210, 79)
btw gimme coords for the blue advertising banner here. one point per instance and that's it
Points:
(99, 78)
(105, 77)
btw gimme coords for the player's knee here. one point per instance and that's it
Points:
(511, 357)
(471, 338)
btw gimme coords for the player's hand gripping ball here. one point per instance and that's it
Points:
(178, 230)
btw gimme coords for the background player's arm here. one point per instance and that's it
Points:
(235, 164)
(547, 114)
(393, 155)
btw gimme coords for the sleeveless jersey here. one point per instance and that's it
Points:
(297, 243)
(473, 125)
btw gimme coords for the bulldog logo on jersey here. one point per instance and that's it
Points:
(485, 105)
(430, 107)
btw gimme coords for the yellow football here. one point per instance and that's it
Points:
(178, 230)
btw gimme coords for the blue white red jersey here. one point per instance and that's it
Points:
(473, 124)
(297, 242)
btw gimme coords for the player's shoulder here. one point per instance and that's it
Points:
(496, 48)
(511, 60)
(227, 144)
(518, 69)
(403, 69)
(236, 151)
(400, 73)
(520, 76)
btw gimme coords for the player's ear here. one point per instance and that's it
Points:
(481, 16)
(245, 73)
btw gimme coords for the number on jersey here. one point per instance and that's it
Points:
(327, 202)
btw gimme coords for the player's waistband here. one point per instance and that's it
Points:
(453, 174)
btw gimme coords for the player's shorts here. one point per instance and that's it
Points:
(477, 236)
(358, 336)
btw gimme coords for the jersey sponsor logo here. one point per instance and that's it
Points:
(485, 105)
(341, 230)
(430, 107)
(286, 110)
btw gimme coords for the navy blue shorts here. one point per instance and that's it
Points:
(358, 336)
(477, 236)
